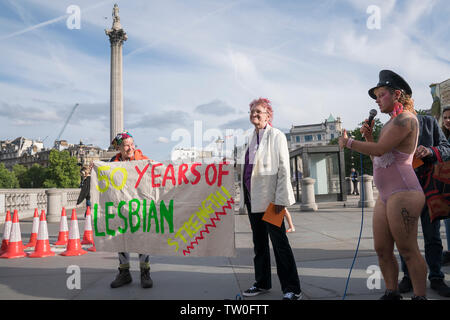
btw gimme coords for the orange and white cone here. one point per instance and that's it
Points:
(34, 230)
(74, 244)
(6, 232)
(15, 246)
(63, 235)
(88, 236)
(42, 248)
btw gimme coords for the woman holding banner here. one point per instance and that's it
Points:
(124, 143)
(265, 180)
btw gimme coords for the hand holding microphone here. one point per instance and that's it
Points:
(367, 127)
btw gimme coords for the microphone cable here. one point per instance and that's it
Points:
(360, 231)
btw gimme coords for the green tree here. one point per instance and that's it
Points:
(20, 172)
(30, 178)
(8, 180)
(62, 172)
(35, 176)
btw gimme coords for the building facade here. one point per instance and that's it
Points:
(28, 152)
(319, 134)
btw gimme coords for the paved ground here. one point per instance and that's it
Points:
(324, 245)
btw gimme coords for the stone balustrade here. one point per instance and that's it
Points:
(25, 201)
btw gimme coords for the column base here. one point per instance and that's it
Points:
(309, 207)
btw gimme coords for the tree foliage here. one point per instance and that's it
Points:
(62, 172)
(8, 179)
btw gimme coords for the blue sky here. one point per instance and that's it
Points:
(201, 62)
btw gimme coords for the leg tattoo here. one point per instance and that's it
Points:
(407, 220)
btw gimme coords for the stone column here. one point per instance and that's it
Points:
(116, 37)
(366, 192)
(308, 196)
(54, 205)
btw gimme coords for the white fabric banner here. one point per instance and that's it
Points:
(163, 208)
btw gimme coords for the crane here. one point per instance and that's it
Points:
(67, 121)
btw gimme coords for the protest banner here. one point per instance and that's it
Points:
(163, 208)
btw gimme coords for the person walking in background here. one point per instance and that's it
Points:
(265, 180)
(354, 177)
(446, 130)
(85, 186)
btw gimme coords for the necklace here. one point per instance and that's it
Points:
(398, 108)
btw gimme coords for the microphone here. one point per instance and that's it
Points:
(372, 115)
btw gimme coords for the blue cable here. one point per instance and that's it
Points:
(360, 231)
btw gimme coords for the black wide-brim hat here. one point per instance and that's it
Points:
(390, 79)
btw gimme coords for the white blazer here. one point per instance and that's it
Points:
(270, 181)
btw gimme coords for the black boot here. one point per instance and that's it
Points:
(440, 287)
(146, 280)
(123, 278)
(391, 295)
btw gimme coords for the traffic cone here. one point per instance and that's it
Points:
(34, 230)
(15, 246)
(63, 235)
(74, 244)
(88, 236)
(6, 232)
(92, 249)
(42, 248)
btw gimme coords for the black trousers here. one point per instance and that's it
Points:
(284, 257)
(355, 187)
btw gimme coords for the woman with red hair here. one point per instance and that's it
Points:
(265, 180)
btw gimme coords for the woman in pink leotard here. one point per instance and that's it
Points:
(401, 199)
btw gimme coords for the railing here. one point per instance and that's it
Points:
(25, 201)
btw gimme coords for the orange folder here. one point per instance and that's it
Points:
(417, 162)
(272, 217)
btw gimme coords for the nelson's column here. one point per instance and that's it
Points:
(116, 37)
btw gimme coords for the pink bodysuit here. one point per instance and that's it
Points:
(393, 172)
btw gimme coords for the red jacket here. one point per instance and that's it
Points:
(137, 156)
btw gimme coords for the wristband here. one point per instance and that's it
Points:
(349, 143)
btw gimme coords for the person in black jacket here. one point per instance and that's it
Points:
(430, 135)
(85, 186)
(446, 130)
(354, 177)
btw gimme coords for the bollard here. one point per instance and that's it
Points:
(54, 205)
(308, 196)
(368, 192)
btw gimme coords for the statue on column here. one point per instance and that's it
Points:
(116, 33)
(116, 18)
